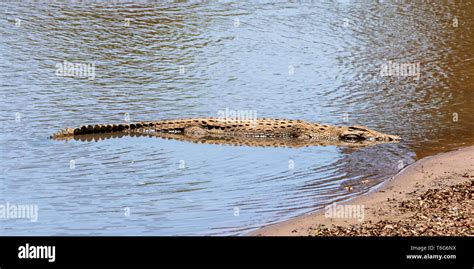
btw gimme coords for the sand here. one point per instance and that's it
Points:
(433, 196)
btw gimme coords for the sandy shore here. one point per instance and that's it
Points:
(433, 196)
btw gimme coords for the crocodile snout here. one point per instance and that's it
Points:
(393, 138)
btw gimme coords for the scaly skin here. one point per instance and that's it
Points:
(260, 132)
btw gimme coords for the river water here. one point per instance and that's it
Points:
(309, 60)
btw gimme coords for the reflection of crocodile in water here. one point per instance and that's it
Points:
(260, 132)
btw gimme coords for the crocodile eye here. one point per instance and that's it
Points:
(351, 137)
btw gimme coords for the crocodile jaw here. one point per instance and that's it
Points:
(362, 133)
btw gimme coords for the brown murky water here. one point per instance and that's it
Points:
(319, 62)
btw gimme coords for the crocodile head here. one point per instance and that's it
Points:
(363, 134)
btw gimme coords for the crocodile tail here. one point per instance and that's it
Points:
(103, 128)
(138, 127)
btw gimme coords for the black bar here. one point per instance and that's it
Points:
(239, 250)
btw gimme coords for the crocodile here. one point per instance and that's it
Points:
(259, 132)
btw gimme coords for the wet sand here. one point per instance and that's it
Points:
(433, 196)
